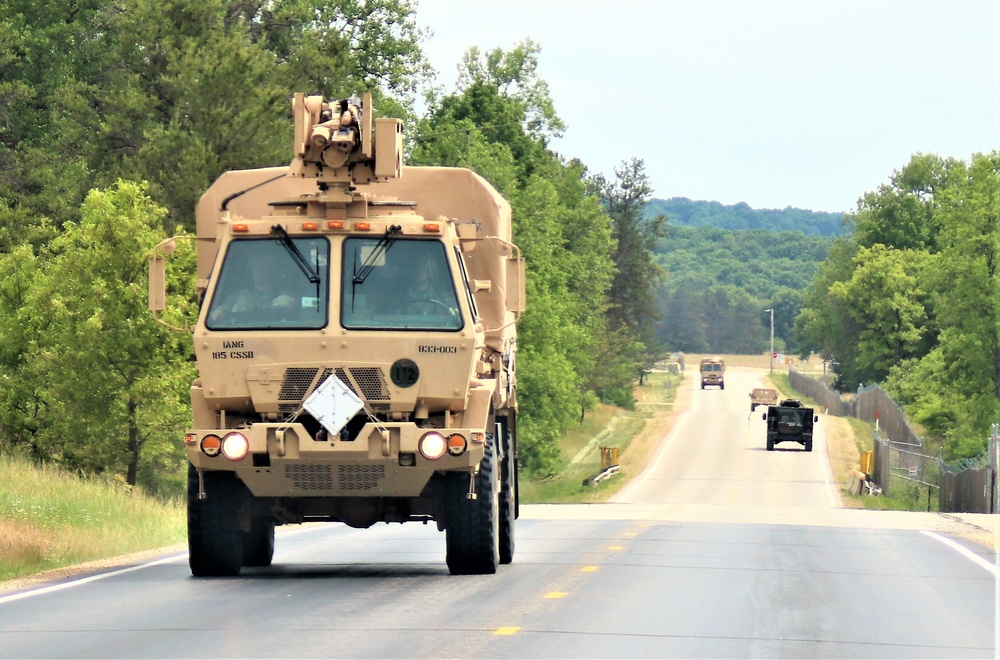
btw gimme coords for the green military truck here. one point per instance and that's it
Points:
(790, 421)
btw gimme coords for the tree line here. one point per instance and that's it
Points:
(116, 116)
(698, 213)
(910, 298)
(720, 282)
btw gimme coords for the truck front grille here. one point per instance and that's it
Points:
(368, 383)
(359, 477)
(310, 477)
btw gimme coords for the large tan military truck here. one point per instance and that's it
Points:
(355, 348)
(713, 372)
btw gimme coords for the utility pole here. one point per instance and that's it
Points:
(772, 337)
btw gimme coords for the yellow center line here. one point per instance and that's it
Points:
(588, 569)
(556, 594)
(615, 547)
(506, 630)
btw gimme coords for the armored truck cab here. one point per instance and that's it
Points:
(355, 348)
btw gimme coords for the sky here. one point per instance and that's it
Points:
(776, 103)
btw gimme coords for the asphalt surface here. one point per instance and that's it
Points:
(720, 549)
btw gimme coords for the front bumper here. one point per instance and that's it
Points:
(383, 461)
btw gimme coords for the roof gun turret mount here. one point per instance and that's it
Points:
(335, 144)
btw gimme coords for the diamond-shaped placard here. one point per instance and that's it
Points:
(333, 405)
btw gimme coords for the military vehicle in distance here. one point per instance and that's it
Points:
(355, 348)
(712, 372)
(790, 421)
(763, 396)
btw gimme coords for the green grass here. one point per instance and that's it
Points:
(51, 519)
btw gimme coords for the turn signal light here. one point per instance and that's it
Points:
(235, 446)
(457, 444)
(432, 445)
(211, 445)
(190, 438)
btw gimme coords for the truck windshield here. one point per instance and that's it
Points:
(261, 287)
(407, 286)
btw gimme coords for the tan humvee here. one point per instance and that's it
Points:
(355, 348)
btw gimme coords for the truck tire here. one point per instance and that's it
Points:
(258, 543)
(473, 526)
(770, 444)
(215, 541)
(809, 444)
(508, 495)
(722, 386)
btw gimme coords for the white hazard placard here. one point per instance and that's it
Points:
(333, 404)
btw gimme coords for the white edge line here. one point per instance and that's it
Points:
(100, 576)
(92, 578)
(968, 554)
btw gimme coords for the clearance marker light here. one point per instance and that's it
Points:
(310, 226)
(432, 227)
(362, 226)
(335, 224)
(241, 227)
(190, 438)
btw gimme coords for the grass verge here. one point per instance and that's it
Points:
(51, 519)
(632, 432)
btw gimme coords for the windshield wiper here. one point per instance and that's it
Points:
(296, 256)
(383, 245)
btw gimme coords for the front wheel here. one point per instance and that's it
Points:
(508, 494)
(258, 544)
(473, 525)
(215, 540)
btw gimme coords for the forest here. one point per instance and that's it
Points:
(115, 116)
(719, 283)
(697, 213)
(911, 298)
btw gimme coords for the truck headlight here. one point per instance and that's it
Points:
(235, 446)
(432, 445)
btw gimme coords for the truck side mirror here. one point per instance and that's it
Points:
(763, 416)
(815, 418)
(157, 283)
(515, 284)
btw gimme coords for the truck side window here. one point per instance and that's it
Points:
(261, 287)
(407, 285)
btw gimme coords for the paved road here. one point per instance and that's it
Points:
(722, 550)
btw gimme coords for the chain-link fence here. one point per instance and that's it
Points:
(903, 469)
(901, 465)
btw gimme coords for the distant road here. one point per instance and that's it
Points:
(720, 549)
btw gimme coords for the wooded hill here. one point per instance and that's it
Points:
(696, 213)
(724, 265)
